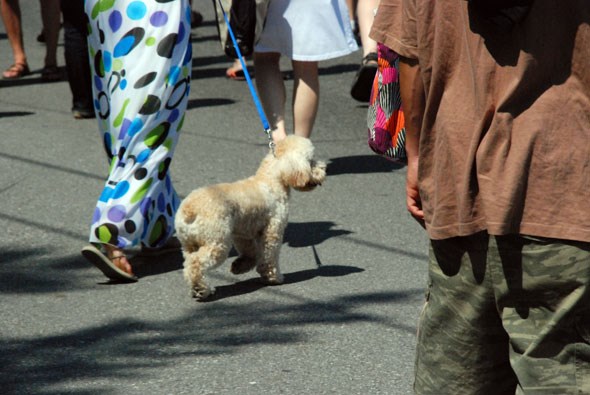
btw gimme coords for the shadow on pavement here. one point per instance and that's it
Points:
(30, 271)
(6, 114)
(338, 69)
(254, 284)
(209, 102)
(93, 359)
(153, 266)
(33, 78)
(361, 164)
(307, 234)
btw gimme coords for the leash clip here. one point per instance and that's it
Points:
(271, 143)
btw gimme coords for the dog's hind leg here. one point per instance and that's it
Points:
(248, 253)
(196, 265)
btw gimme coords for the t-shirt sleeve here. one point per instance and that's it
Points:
(404, 36)
(387, 21)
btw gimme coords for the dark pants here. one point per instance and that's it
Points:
(76, 54)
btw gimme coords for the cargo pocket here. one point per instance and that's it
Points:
(583, 352)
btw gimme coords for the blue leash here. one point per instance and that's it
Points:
(263, 118)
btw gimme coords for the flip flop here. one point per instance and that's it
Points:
(363, 80)
(102, 262)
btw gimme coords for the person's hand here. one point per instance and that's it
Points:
(413, 201)
(414, 102)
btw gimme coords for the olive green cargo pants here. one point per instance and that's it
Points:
(505, 315)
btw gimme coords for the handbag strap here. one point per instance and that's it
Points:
(261, 113)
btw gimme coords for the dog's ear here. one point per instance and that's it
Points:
(293, 156)
(296, 171)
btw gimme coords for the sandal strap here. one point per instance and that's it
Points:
(371, 57)
(18, 68)
(117, 257)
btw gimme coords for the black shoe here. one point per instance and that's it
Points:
(196, 19)
(82, 113)
(363, 80)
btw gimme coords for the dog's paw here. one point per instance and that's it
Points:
(202, 293)
(242, 264)
(272, 278)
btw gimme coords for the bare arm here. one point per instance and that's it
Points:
(413, 102)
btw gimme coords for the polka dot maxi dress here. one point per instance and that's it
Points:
(141, 61)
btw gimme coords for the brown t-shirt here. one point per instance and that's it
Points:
(386, 22)
(505, 142)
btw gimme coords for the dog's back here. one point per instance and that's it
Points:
(242, 208)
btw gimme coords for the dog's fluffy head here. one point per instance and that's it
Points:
(296, 165)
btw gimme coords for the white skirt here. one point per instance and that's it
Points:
(307, 30)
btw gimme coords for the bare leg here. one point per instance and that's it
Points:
(365, 11)
(50, 14)
(363, 80)
(12, 22)
(306, 93)
(271, 88)
(351, 5)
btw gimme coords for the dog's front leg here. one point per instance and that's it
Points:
(272, 239)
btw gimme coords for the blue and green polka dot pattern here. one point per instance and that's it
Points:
(141, 61)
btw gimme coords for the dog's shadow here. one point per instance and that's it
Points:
(307, 234)
(152, 266)
(297, 235)
(254, 284)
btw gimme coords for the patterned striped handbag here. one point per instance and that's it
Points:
(385, 119)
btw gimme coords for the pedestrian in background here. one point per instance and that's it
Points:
(363, 79)
(77, 58)
(50, 16)
(305, 31)
(496, 99)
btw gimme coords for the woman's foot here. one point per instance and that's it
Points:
(235, 72)
(111, 261)
(119, 259)
(17, 70)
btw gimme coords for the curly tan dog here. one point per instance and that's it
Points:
(251, 214)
